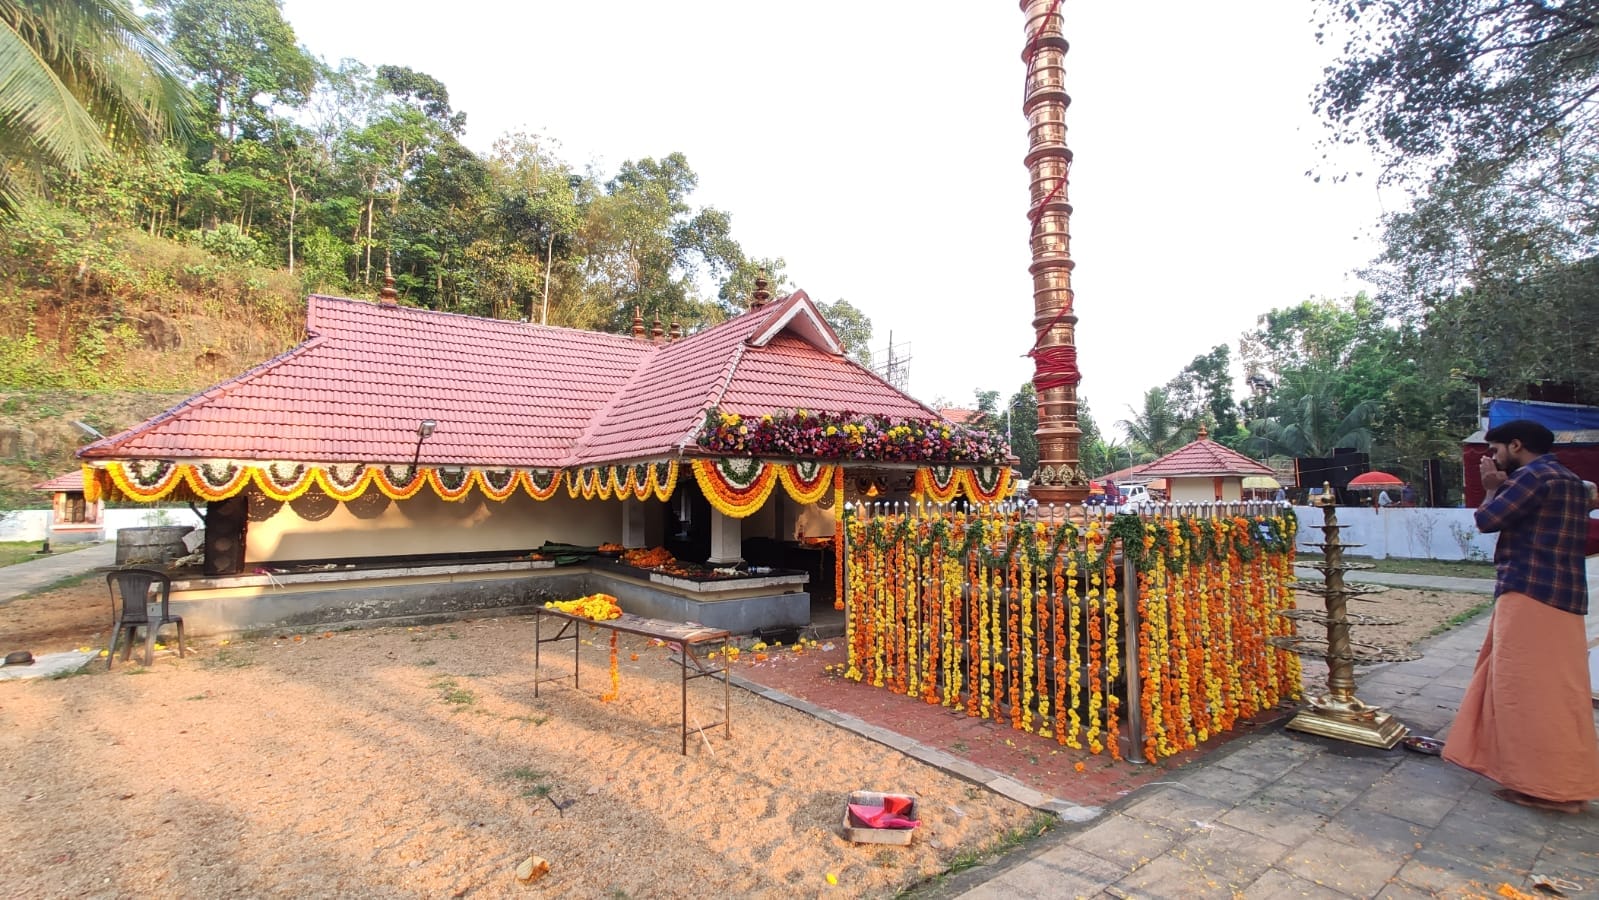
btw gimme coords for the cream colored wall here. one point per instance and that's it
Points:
(316, 527)
(1203, 490)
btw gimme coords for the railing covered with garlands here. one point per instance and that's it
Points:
(1136, 635)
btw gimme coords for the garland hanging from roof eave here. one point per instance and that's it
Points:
(740, 484)
(735, 486)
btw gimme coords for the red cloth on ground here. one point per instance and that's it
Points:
(890, 815)
(1527, 718)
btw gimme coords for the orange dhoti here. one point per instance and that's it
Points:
(1527, 718)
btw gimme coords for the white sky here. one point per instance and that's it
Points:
(878, 147)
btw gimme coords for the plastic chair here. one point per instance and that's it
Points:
(134, 612)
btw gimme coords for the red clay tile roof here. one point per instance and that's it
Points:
(505, 393)
(502, 393)
(1203, 457)
(663, 408)
(65, 483)
(961, 416)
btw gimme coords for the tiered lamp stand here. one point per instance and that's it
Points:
(1338, 713)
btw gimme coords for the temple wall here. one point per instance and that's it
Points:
(317, 527)
(1203, 490)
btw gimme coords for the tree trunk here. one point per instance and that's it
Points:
(294, 204)
(368, 277)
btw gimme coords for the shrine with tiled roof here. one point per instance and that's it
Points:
(1203, 471)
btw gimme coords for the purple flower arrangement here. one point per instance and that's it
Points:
(821, 435)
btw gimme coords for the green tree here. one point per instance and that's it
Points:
(1310, 420)
(383, 156)
(1499, 82)
(71, 73)
(1157, 428)
(245, 59)
(1204, 390)
(853, 328)
(1021, 425)
(646, 246)
(1485, 108)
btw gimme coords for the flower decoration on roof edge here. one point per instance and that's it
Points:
(847, 435)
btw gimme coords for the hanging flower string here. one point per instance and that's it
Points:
(1024, 622)
(597, 608)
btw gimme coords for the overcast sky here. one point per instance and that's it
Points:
(877, 147)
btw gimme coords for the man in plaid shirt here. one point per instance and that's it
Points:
(1526, 720)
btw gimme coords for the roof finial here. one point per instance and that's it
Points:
(638, 323)
(655, 330)
(761, 295)
(388, 296)
(1204, 433)
(675, 332)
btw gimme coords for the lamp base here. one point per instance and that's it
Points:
(1372, 729)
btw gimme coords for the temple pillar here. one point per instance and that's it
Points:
(727, 540)
(635, 524)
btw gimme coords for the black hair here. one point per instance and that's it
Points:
(1532, 435)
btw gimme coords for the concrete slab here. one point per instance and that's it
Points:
(50, 665)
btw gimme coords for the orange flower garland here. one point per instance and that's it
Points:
(735, 487)
(806, 482)
(938, 484)
(1025, 622)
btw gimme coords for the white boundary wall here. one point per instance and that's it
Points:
(1411, 533)
(33, 524)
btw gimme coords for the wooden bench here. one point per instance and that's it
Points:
(688, 640)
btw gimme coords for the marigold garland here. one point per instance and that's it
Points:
(344, 488)
(145, 482)
(806, 482)
(441, 482)
(541, 484)
(498, 484)
(93, 490)
(394, 488)
(1025, 622)
(938, 484)
(153, 480)
(735, 498)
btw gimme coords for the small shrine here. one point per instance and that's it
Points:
(1204, 471)
(74, 518)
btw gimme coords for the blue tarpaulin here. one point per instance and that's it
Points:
(1553, 416)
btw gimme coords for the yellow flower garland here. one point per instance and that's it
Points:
(1025, 623)
(801, 489)
(728, 499)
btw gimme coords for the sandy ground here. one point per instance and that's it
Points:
(416, 761)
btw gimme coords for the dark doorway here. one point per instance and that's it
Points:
(688, 522)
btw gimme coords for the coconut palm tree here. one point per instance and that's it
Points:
(1310, 420)
(77, 79)
(1158, 428)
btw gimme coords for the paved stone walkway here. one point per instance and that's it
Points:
(36, 574)
(1284, 814)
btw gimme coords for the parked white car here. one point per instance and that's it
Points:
(1134, 497)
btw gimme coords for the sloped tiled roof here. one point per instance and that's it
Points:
(1203, 457)
(736, 367)
(505, 393)
(66, 483)
(502, 393)
(962, 416)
